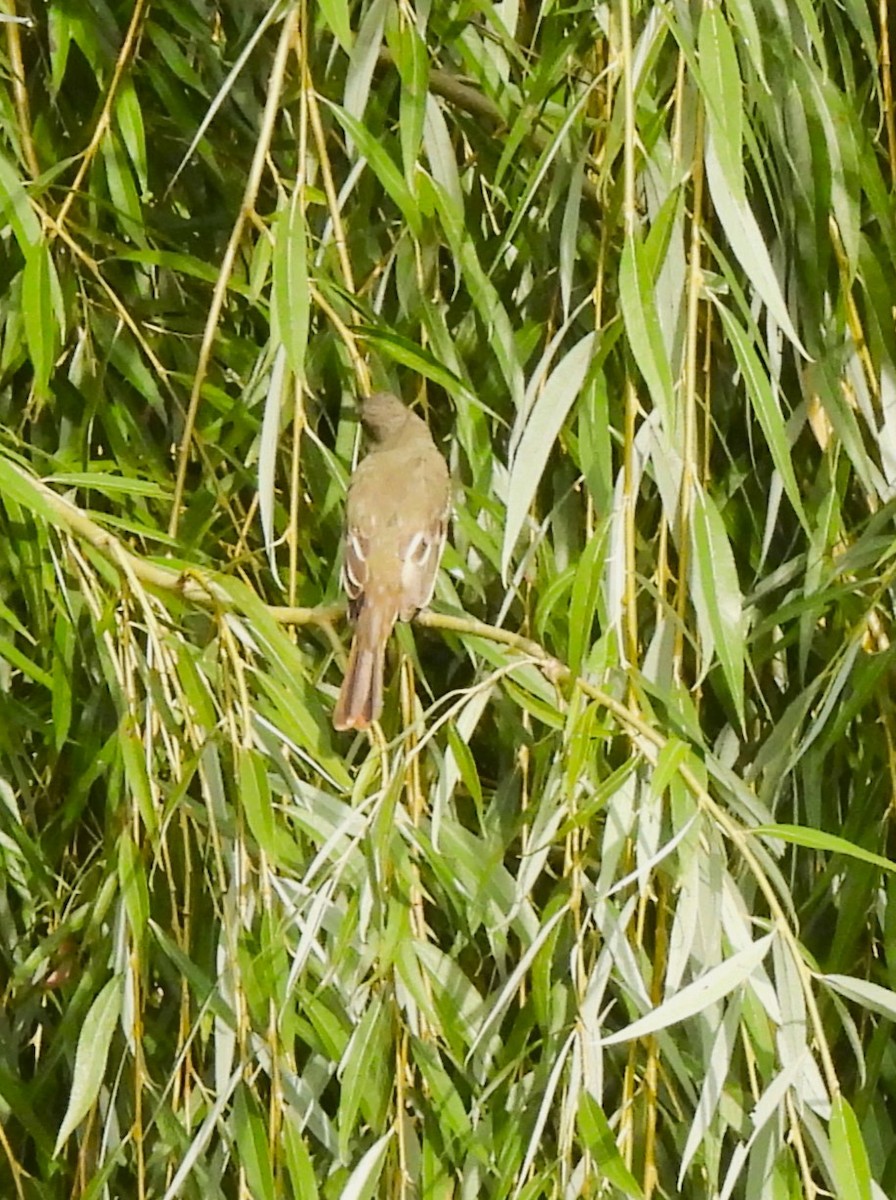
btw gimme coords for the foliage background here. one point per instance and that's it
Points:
(635, 262)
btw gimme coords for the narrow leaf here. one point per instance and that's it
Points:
(37, 302)
(767, 408)
(371, 148)
(299, 1163)
(598, 1137)
(489, 305)
(90, 1057)
(723, 96)
(336, 15)
(870, 995)
(642, 328)
(366, 1073)
(134, 758)
(292, 295)
(818, 839)
(134, 890)
(722, 93)
(852, 1173)
(267, 457)
(15, 207)
(746, 241)
(362, 61)
(413, 67)
(441, 154)
(130, 123)
(569, 232)
(252, 1141)
(543, 426)
(717, 594)
(363, 1180)
(697, 996)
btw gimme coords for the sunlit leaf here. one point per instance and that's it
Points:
(542, 427)
(851, 1170)
(717, 594)
(94, 1040)
(643, 329)
(695, 997)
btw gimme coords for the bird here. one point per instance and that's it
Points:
(396, 522)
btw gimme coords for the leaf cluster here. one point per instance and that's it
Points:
(603, 908)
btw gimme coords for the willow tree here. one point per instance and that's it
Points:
(602, 908)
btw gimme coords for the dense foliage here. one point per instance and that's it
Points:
(605, 908)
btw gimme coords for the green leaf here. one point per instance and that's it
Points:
(252, 1141)
(133, 755)
(130, 125)
(29, 668)
(642, 328)
(63, 656)
(413, 67)
(336, 15)
(852, 1173)
(583, 601)
(41, 332)
(749, 37)
(557, 143)
(767, 408)
(542, 428)
(255, 796)
(363, 1181)
(15, 207)
(366, 1073)
(94, 1041)
(291, 311)
(466, 764)
(385, 170)
(299, 1163)
(23, 489)
(598, 1137)
(440, 152)
(569, 232)
(179, 264)
(449, 1107)
(134, 890)
(485, 297)
(363, 59)
(723, 96)
(870, 995)
(107, 483)
(203, 989)
(418, 359)
(256, 800)
(695, 997)
(817, 839)
(122, 189)
(717, 594)
(60, 41)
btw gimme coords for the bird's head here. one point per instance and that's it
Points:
(383, 415)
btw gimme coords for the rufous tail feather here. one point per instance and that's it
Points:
(361, 695)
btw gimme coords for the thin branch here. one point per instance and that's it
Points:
(203, 589)
(20, 93)
(266, 133)
(124, 57)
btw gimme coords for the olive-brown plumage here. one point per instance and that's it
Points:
(396, 519)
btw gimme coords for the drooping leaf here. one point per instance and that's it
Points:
(94, 1041)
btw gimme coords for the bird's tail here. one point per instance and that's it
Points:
(361, 695)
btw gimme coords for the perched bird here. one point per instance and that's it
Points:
(396, 520)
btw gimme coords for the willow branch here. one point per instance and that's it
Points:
(203, 589)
